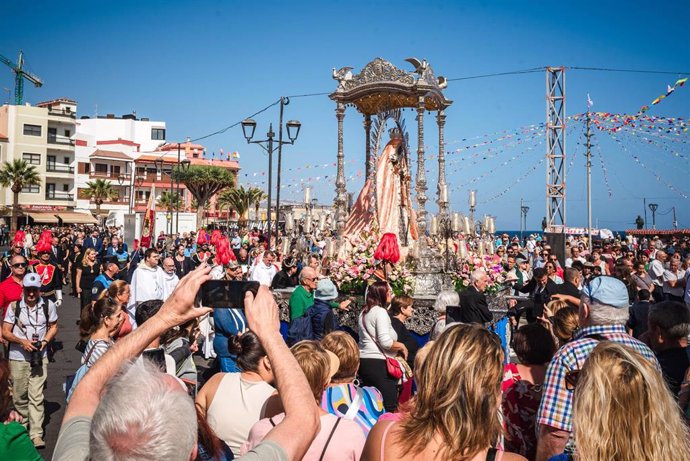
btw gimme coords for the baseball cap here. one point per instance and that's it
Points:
(607, 290)
(31, 280)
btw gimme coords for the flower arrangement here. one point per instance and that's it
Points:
(491, 265)
(355, 268)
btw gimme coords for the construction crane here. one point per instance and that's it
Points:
(19, 75)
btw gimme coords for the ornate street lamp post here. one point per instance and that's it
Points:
(248, 128)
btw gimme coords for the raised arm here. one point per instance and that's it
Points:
(301, 424)
(178, 309)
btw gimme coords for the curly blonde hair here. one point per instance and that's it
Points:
(623, 409)
(459, 391)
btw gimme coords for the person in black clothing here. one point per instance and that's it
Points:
(75, 258)
(568, 290)
(473, 305)
(669, 325)
(285, 278)
(401, 309)
(540, 289)
(637, 322)
(183, 264)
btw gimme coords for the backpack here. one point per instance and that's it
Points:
(17, 311)
(323, 319)
(300, 329)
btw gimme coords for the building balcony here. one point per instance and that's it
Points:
(59, 168)
(58, 195)
(113, 176)
(64, 113)
(60, 142)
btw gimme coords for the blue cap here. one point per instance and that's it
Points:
(326, 290)
(607, 290)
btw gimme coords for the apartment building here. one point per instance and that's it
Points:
(42, 136)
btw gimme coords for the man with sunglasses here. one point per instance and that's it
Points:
(29, 325)
(11, 288)
(603, 313)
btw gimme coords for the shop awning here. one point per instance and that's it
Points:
(73, 217)
(46, 217)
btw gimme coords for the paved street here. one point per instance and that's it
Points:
(67, 360)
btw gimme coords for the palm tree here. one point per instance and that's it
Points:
(16, 176)
(99, 191)
(169, 201)
(257, 195)
(239, 200)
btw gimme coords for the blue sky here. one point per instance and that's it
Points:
(201, 66)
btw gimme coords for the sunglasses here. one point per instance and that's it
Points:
(18, 265)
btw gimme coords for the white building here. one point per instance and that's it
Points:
(42, 136)
(147, 135)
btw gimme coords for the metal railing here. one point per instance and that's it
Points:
(59, 195)
(59, 168)
(57, 139)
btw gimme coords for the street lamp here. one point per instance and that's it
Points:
(293, 128)
(653, 207)
(184, 166)
(523, 219)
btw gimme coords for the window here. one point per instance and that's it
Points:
(65, 188)
(32, 130)
(101, 168)
(68, 133)
(51, 160)
(32, 159)
(34, 189)
(116, 170)
(158, 134)
(67, 160)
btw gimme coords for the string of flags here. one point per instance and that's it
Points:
(641, 164)
(520, 178)
(669, 90)
(605, 171)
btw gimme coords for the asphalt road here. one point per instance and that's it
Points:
(67, 360)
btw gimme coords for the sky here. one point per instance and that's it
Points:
(205, 65)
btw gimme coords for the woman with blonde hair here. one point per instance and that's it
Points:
(564, 324)
(87, 272)
(623, 410)
(342, 397)
(338, 438)
(455, 413)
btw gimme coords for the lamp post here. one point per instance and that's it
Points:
(653, 207)
(184, 166)
(121, 180)
(523, 219)
(248, 128)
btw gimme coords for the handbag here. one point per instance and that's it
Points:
(392, 364)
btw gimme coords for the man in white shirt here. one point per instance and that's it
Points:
(656, 272)
(574, 256)
(264, 271)
(28, 334)
(674, 282)
(147, 281)
(170, 278)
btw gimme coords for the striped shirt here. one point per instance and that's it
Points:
(556, 409)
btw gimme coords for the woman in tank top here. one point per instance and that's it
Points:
(233, 402)
(455, 413)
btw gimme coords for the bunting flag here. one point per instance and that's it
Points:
(669, 89)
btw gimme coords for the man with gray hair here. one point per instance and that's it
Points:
(131, 411)
(603, 314)
(656, 270)
(474, 307)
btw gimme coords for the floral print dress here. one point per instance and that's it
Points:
(520, 406)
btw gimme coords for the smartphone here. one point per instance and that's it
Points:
(226, 293)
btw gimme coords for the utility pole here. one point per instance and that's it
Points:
(521, 219)
(675, 222)
(644, 201)
(588, 155)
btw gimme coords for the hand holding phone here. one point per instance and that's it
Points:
(227, 294)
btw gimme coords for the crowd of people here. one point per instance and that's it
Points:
(598, 365)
